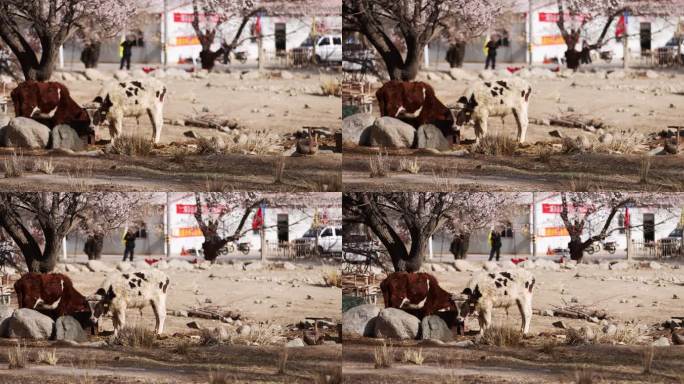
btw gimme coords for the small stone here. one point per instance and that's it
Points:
(559, 324)
(662, 342)
(194, 325)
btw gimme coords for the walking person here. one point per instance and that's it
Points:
(492, 45)
(495, 243)
(129, 240)
(585, 55)
(127, 46)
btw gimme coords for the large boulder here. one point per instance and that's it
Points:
(5, 315)
(68, 328)
(30, 324)
(356, 128)
(461, 74)
(65, 137)
(25, 133)
(391, 133)
(394, 323)
(465, 266)
(433, 327)
(93, 74)
(429, 136)
(98, 266)
(4, 120)
(360, 320)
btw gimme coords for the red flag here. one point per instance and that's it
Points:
(258, 219)
(626, 217)
(620, 29)
(257, 26)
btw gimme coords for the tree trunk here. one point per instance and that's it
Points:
(212, 247)
(400, 70)
(576, 248)
(456, 54)
(572, 58)
(208, 58)
(93, 246)
(90, 55)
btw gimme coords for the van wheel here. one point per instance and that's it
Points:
(321, 250)
(317, 59)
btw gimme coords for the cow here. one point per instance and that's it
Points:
(420, 295)
(415, 103)
(131, 98)
(122, 290)
(495, 98)
(51, 104)
(54, 295)
(489, 290)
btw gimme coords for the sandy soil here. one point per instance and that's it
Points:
(647, 297)
(272, 105)
(639, 104)
(272, 297)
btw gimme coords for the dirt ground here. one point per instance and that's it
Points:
(636, 104)
(271, 298)
(636, 299)
(271, 105)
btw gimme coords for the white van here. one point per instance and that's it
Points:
(329, 239)
(328, 48)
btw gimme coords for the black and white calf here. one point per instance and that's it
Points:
(494, 98)
(131, 98)
(121, 291)
(502, 289)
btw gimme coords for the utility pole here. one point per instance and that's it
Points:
(530, 34)
(167, 227)
(625, 42)
(534, 224)
(165, 37)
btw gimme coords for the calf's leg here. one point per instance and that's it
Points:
(525, 307)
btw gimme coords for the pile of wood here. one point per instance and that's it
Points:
(364, 285)
(214, 313)
(209, 120)
(580, 312)
(573, 121)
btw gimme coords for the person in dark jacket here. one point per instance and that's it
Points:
(495, 243)
(492, 45)
(585, 57)
(129, 240)
(127, 46)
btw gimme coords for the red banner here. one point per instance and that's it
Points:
(558, 208)
(188, 17)
(551, 17)
(190, 209)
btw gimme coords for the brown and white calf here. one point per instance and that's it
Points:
(489, 290)
(123, 290)
(54, 295)
(490, 98)
(415, 103)
(132, 98)
(420, 295)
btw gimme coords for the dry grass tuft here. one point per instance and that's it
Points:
(282, 360)
(584, 376)
(278, 170)
(259, 334)
(135, 337)
(647, 359)
(327, 183)
(571, 146)
(47, 357)
(332, 278)
(581, 183)
(644, 169)
(502, 337)
(216, 377)
(258, 143)
(183, 348)
(626, 142)
(496, 145)
(45, 166)
(334, 377)
(384, 356)
(331, 86)
(410, 166)
(215, 183)
(378, 165)
(209, 337)
(132, 145)
(209, 145)
(17, 357)
(413, 356)
(544, 154)
(14, 166)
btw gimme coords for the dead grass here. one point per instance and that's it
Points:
(209, 146)
(624, 334)
(215, 183)
(647, 359)
(544, 154)
(135, 337)
(584, 376)
(410, 166)
(209, 337)
(132, 145)
(644, 169)
(282, 360)
(259, 334)
(182, 348)
(331, 86)
(496, 145)
(278, 170)
(332, 278)
(335, 377)
(378, 165)
(17, 357)
(581, 183)
(45, 166)
(47, 357)
(257, 142)
(383, 356)
(216, 377)
(14, 166)
(626, 142)
(327, 183)
(502, 337)
(413, 356)
(571, 146)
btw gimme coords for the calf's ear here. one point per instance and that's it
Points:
(467, 292)
(110, 293)
(463, 100)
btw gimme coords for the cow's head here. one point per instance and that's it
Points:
(464, 109)
(461, 312)
(468, 301)
(99, 109)
(99, 304)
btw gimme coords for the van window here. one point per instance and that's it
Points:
(324, 41)
(337, 40)
(338, 231)
(327, 232)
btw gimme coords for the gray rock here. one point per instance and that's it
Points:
(65, 137)
(464, 266)
(68, 328)
(98, 266)
(396, 324)
(25, 133)
(559, 324)
(392, 133)
(429, 136)
(121, 75)
(610, 329)
(606, 138)
(5, 315)
(93, 74)
(356, 128)
(615, 75)
(360, 320)
(619, 266)
(433, 327)
(4, 120)
(662, 342)
(557, 133)
(30, 324)
(295, 343)
(254, 266)
(461, 74)
(250, 75)
(286, 75)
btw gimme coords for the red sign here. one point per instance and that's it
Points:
(189, 17)
(558, 208)
(551, 17)
(190, 209)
